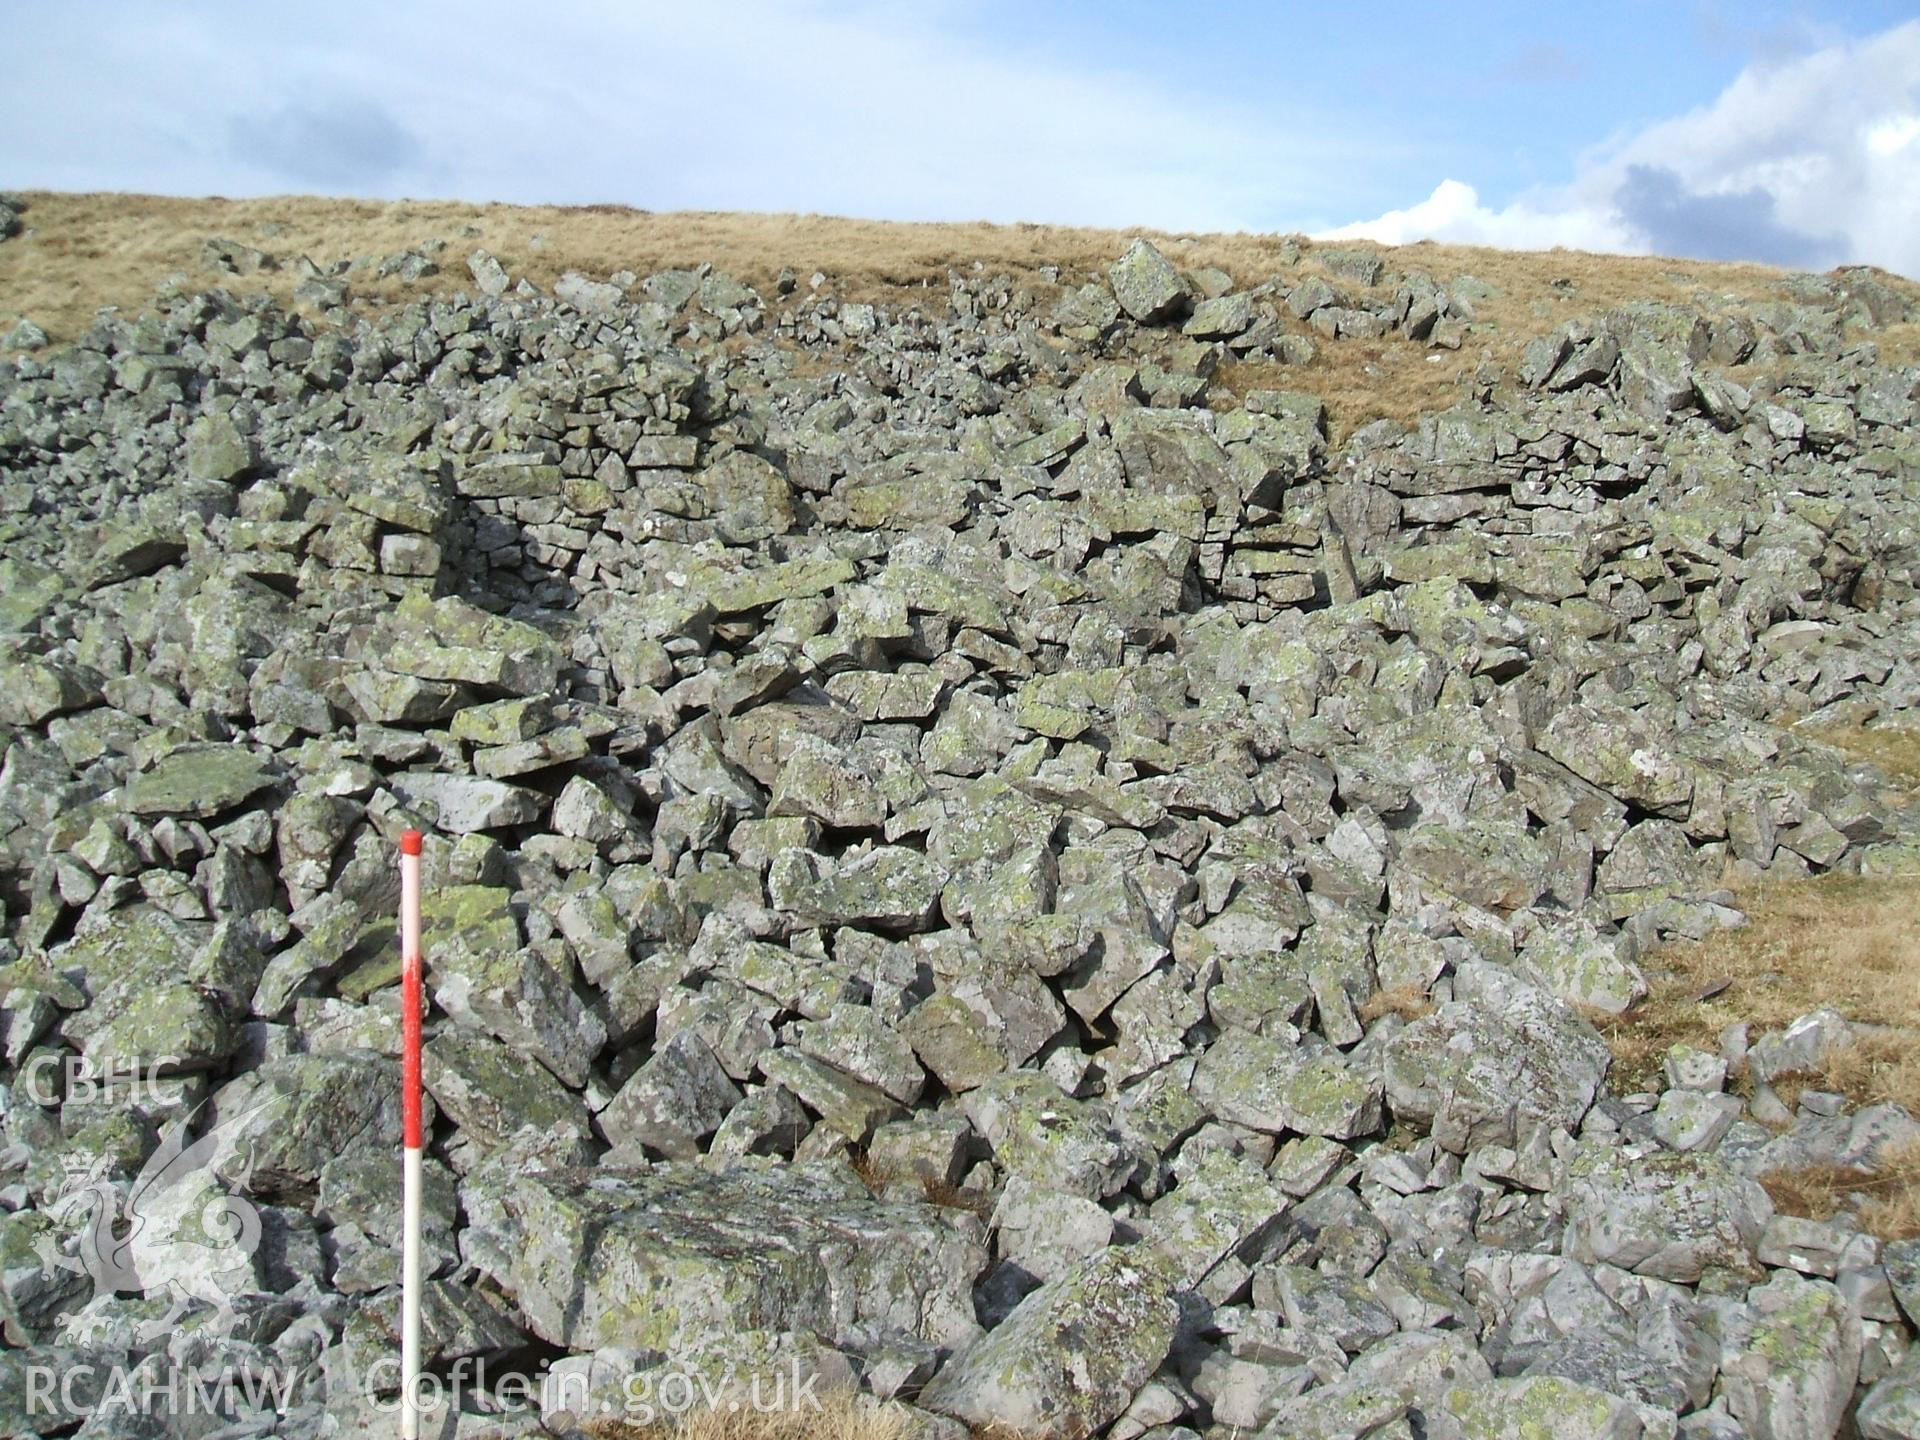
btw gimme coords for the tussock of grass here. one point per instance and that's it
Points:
(953, 1197)
(1879, 1069)
(1885, 1201)
(1409, 1002)
(1841, 941)
(82, 251)
(840, 1416)
(880, 1179)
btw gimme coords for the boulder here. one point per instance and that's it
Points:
(1072, 1355)
(658, 1257)
(1265, 1084)
(1662, 1214)
(1506, 1067)
(1146, 284)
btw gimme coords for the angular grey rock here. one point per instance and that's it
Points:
(162, 992)
(25, 335)
(660, 1257)
(1259, 1082)
(848, 1107)
(854, 1039)
(199, 780)
(488, 274)
(480, 976)
(674, 1101)
(1669, 1216)
(1891, 1409)
(1504, 1068)
(1334, 1307)
(751, 499)
(1072, 1355)
(595, 297)
(891, 887)
(1049, 1140)
(33, 691)
(281, 1124)
(466, 804)
(1585, 967)
(494, 1093)
(450, 640)
(587, 812)
(1792, 1360)
(1146, 284)
(1624, 754)
(821, 781)
(1045, 1232)
(1540, 1405)
(217, 451)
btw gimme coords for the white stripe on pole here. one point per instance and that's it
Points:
(410, 1018)
(410, 1302)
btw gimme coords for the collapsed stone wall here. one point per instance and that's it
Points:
(950, 860)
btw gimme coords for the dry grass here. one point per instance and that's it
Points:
(1840, 941)
(1894, 749)
(952, 1197)
(875, 1176)
(1885, 1201)
(1848, 943)
(1409, 1002)
(1358, 380)
(82, 251)
(880, 1179)
(1851, 943)
(839, 1417)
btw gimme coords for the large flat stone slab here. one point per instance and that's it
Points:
(649, 1257)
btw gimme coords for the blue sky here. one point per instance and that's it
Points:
(1780, 132)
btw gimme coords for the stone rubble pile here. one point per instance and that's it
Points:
(951, 864)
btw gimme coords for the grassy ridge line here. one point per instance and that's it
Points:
(78, 252)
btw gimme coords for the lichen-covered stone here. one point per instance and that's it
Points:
(1072, 1355)
(1666, 1215)
(1503, 1068)
(1586, 968)
(1792, 1360)
(1146, 284)
(494, 1092)
(620, 1257)
(200, 780)
(674, 1101)
(450, 640)
(1052, 1141)
(217, 451)
(1264, 1084)
(1538, 1406)
(891, 886)
(480, 976)
(281, 1124)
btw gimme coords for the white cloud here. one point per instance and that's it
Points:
(1890, 137)
(1454, 212)
(1807, 162)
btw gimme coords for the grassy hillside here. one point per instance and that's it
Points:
(79, 252)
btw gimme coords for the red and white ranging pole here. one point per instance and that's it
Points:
(410, 1006)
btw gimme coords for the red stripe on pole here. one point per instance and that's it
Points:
(410, 986)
